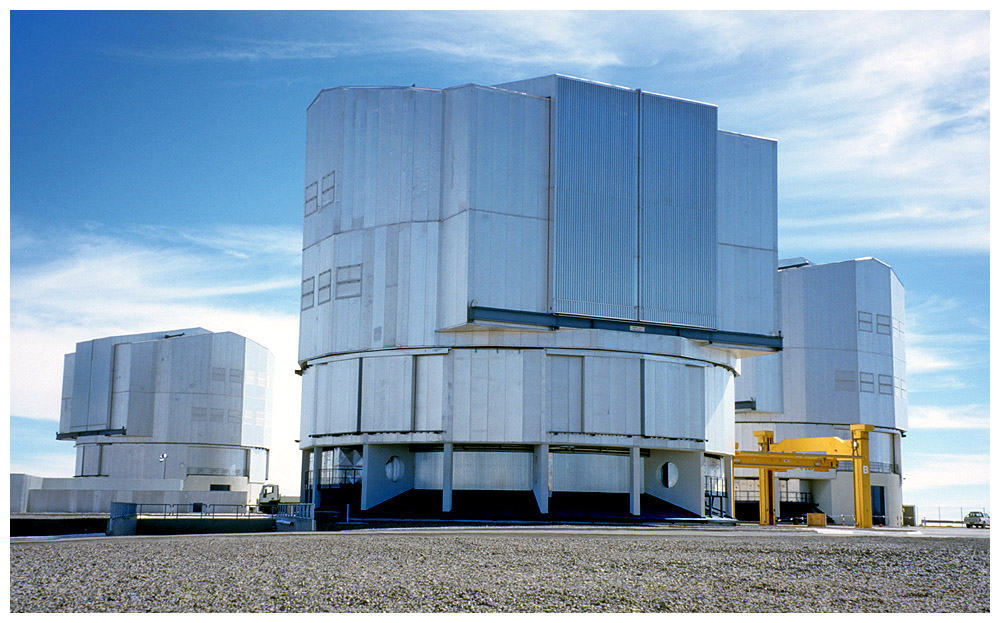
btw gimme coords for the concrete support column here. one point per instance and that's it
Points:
(541, 480)
(727, 469)
(304, 472)
(446, 476)
(317, 454)
(635, 480)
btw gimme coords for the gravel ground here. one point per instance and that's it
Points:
(572, 570)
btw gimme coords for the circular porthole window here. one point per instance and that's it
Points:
(668, 474)
(394, 468)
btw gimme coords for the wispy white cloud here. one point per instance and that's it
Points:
(932, 471)
(46, 465)
(113, 282)
(966, 417)
(934, 346)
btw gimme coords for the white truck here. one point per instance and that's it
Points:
(269, 498)
(977, 519)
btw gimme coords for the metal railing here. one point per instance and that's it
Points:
(803, 497)
(874, 467)
(796, 496)
(297, 511)
(715, 486)
(124, 510)
(335, 477)
(200, 510)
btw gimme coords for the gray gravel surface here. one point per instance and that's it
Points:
(504, 571)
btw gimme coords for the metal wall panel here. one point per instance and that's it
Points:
(674, 400)
(761, 381)
(747, 233)
(81, 386)
(488, 395)
(594, 213)
(378, 151)
(533, 419)
(496, 155)
(429, 392)
(142, 387)
(677, 206)
(612, 401)
(387, 393)
(564, 388)
(508, 261)
(720, 418)
(337, 397)
(66, 404)
(120, 385)
(503, 471)
(590, 472)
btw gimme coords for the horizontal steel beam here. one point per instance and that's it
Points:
(90, 433)
(558, 321)
(783, 460)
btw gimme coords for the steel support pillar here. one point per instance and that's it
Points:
(317, 455)
(447, 466)
(541, 478)
(862, 479)
(635, 480)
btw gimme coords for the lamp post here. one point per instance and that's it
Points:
(163, 459)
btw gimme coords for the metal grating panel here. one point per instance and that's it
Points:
(677, 273)
(594, 254)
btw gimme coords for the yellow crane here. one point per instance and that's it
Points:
(815, 453)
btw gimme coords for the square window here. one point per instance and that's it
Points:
(329, 188)
(868, 382)
(844, 381)
(885, 384)
(324, 287)
(235, 376)
(348, 281)
(307, 292)
(864, 322)
(311, 198)
(884, 326)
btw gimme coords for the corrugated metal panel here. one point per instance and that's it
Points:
(678, 221)
(595, 220)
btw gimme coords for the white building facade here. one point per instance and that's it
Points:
(545, 287)
(843, 362)
(171, 417)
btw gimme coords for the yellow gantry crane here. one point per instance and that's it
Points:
(815, 453)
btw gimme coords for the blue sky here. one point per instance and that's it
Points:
(157, 166)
